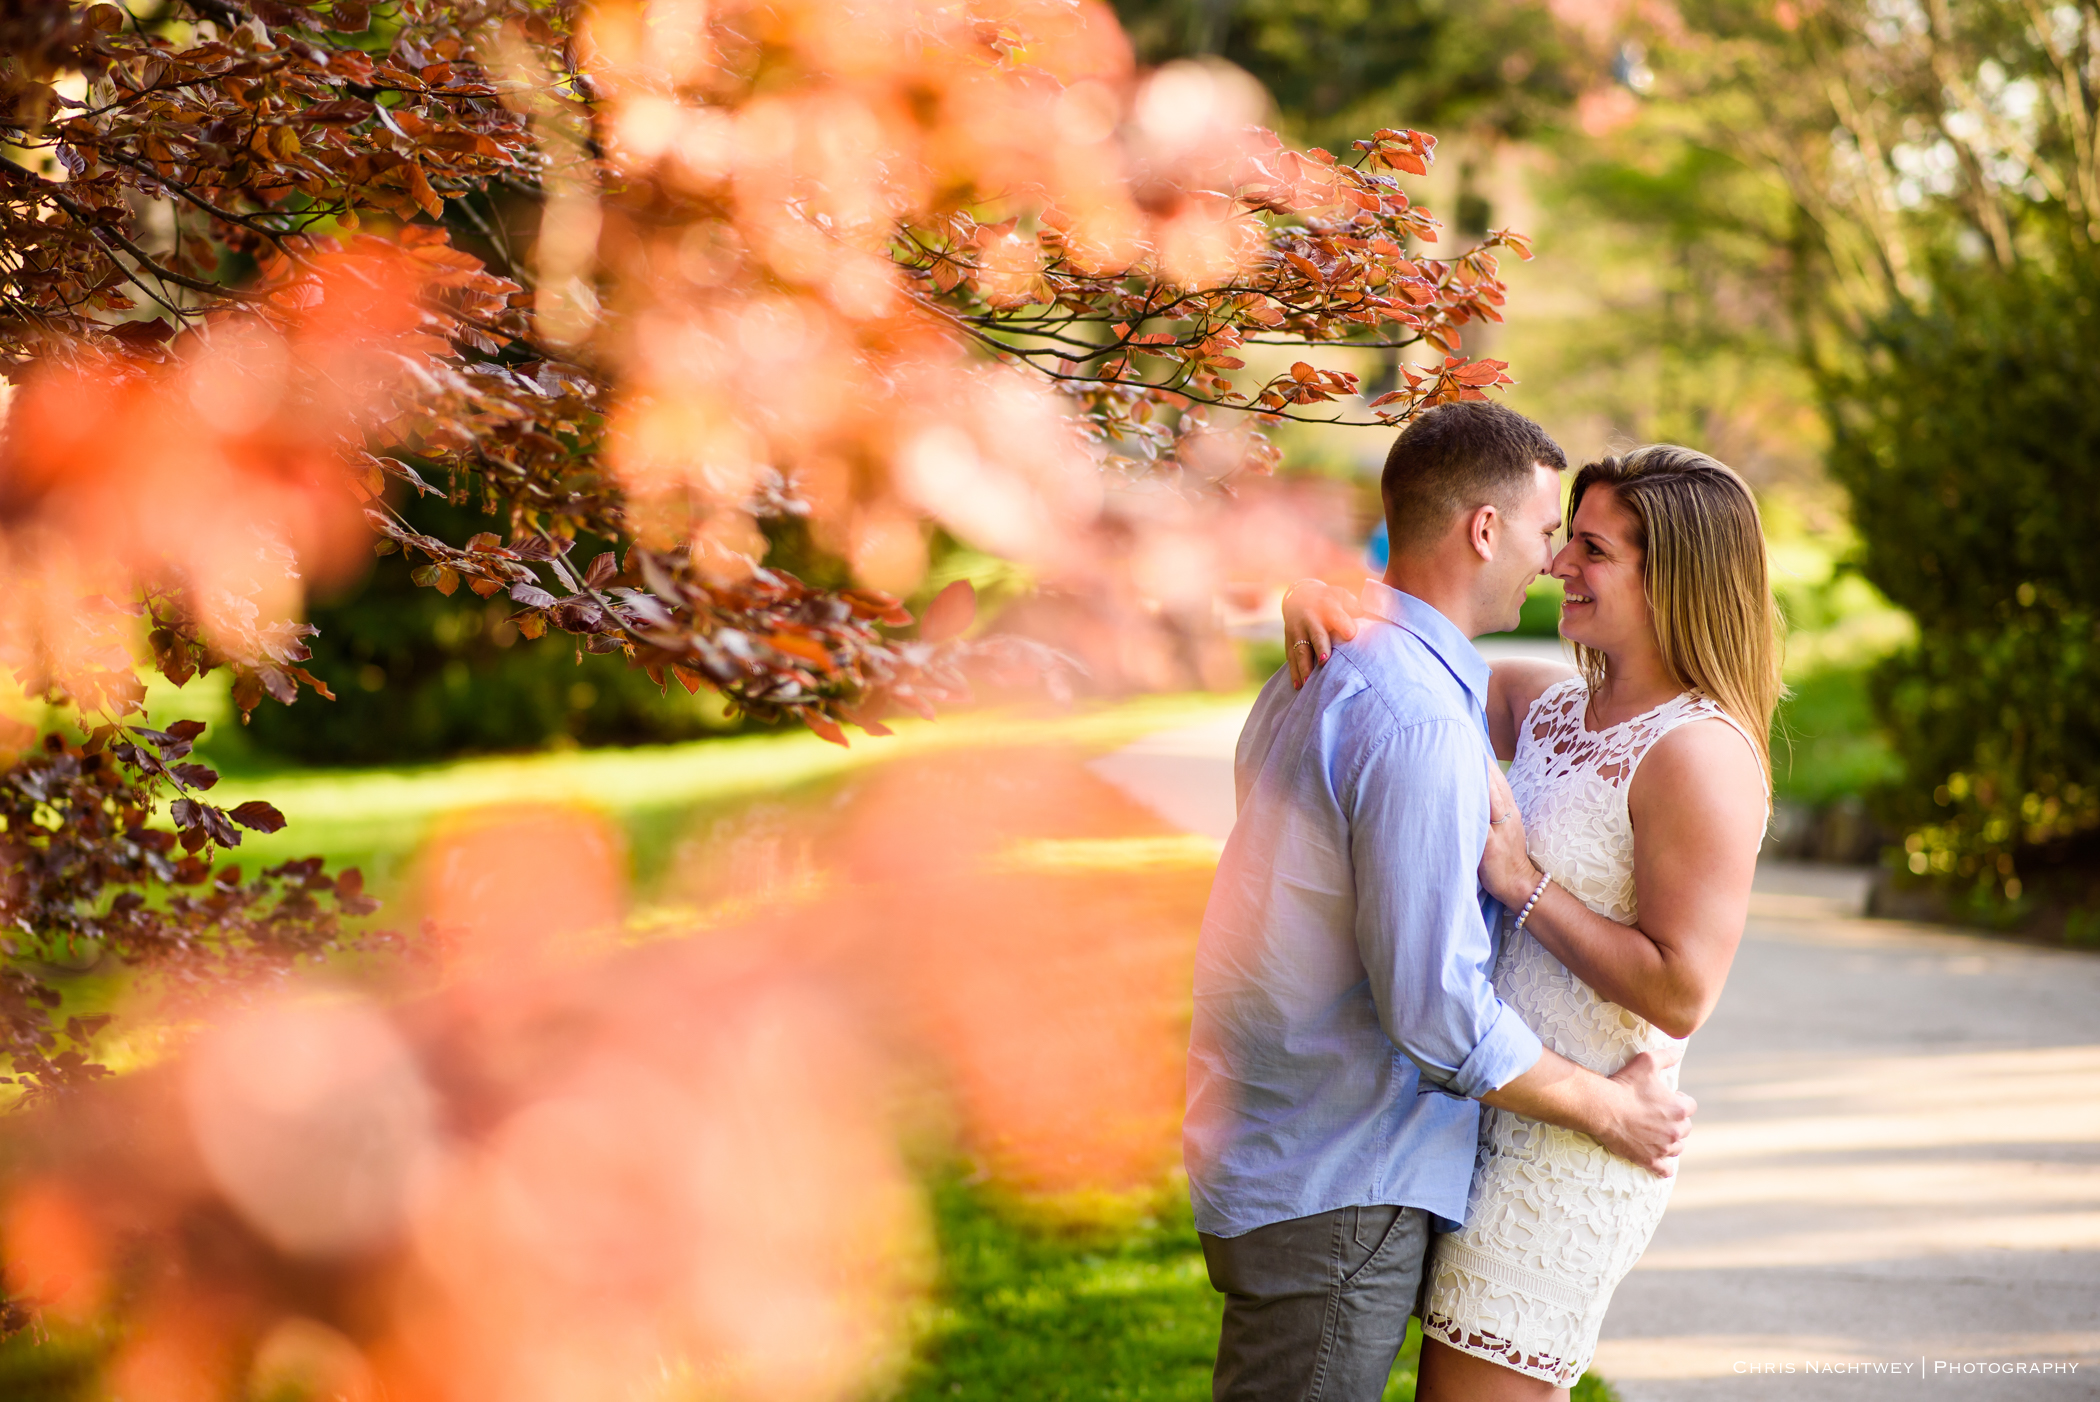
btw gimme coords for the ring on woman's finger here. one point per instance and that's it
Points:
(1295, 646)
(1498, 822)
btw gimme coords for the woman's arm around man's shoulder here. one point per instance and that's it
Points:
(1513, 685)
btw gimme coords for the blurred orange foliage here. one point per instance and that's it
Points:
(696, 276)
(571, 1170)
(214, 482)
(869, 268)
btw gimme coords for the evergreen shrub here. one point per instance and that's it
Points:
(1969, 439)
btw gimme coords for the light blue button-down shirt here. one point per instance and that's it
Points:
(1344, 1021)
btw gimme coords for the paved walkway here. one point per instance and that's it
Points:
(1893, 1185)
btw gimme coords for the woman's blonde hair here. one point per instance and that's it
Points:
(1708, 584)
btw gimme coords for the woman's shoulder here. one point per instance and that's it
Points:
(1705, 763)
(1698, 728)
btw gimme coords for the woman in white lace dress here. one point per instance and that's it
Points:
(1636, 800)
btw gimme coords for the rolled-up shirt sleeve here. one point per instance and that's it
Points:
(1418, 824)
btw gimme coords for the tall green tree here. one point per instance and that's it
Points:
(1933, 242)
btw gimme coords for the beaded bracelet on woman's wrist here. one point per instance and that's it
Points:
(1536, 892)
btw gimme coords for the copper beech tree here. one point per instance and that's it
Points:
(655, 275)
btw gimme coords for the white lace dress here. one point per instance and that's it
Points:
(1553, 1220)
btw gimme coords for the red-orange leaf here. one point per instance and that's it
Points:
(952, 610)
(826, 729)
(808, 649)
(256, 814)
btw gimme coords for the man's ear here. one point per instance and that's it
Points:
(1482, 529)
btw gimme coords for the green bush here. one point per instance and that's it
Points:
(420, 676)
(1541, 614)
(1970, 443)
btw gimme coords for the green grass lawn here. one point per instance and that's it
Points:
(376, 818)
(657, 796)
(1824, 742)
(1071, 1314)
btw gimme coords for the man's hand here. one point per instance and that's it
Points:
(1655, 1120)
(1506, 870)
(1632, 1113)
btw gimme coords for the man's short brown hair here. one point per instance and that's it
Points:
(1453, 460)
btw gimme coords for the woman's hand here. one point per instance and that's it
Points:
(1316, 616)
(1506, 870)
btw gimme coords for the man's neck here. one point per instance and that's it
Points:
(1437, 588)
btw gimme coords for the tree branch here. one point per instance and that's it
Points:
(86, 221)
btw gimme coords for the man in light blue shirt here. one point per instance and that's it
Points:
(1345, 1029)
